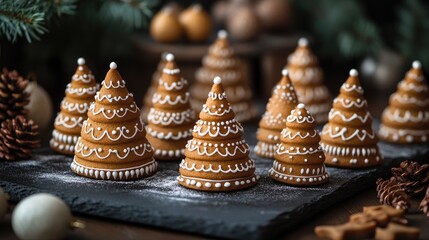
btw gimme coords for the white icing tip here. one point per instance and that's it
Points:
(353, 73)
(217, 80)
(417, 64)
(81, 61)
(285, 72)
(222, 34)
(113, 65)
(302, 42)
(169, 57)
(300, 106)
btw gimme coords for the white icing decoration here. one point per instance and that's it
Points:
(68, 122)
(217, 112)
(346, 87)
(288, 134)
(215, 96)
(406, 116)
(167, 118)
(71, 107)
(204, 168)
(361, 134)
(169, 135)
(405, 99)
(120, 174)
(85, 78)
(174, 85)
(299, 118)
(231, 127)
(65, 138)
(239, 146)
(171, 71)
(81, 91)
(120, 132)
(296, 150)
(138, 150)
(112, 99)
(346, 151)
(115, 112)
(157, 98)
(120, 84)
(333, 113)
(412, 87)
(348, 104)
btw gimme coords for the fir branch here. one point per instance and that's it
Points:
(21, 19)
(27, 18)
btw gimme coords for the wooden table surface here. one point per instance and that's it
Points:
(97, 228)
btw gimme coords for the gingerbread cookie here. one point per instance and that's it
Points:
(113, 144)
(350, 230)
(299, 157)
(395, 231)
(221, 61)
(406, 119)
(348, 138)
(79, 96)
(217, 157)
(281, 103)
(171, 118)
(307, 77)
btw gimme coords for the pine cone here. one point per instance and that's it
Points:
(13, 98)
(424, 205)
(18, 137)
(389, 192)
(413, 178)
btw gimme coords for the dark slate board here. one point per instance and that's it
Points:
(266, 210)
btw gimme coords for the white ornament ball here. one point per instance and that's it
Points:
(217, 80)
(3, 203)
(41, 216)
(40, 106)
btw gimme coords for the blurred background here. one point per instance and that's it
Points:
(42, 39)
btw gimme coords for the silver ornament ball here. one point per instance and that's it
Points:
(41, 216)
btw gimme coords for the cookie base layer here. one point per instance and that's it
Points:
(403, 136)
(127, 174)
(351, 157)
(298, 180)
(265, 150)
(209, 185)
(169, 155)
(352, 162)
(63, 148)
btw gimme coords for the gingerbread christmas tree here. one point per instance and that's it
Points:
(406, 119)
(217, 157)
(147, 99)
(299, 157)
(113, 144)
(171, 118)
(348, 138)
(281, 103)
(307, 77)
(68, 123)
(221, 61)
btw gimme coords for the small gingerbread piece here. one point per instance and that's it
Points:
(381, 218)
(397, 231)
(390, 211)
(350, 230)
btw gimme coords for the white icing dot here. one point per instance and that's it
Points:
(417, 64)
(353, 73)
(169, 57)
(222, 34)
(302, 42)
(113, 65)
(217, 80)
(301, 106)
(285, 72)
(81, 61)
